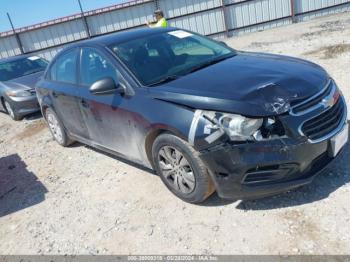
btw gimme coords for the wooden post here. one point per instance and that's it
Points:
(292, 7)
(223, 6)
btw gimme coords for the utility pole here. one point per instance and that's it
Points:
(19, 43)
(87, 29)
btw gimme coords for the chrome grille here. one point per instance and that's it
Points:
(315, 100)
(325, 123)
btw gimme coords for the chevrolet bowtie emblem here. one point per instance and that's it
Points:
(330, 100)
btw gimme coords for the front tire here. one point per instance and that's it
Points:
(11, 112)
(56, 128)
(181, 169)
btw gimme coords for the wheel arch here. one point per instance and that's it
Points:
(45, 104)
(152, 136)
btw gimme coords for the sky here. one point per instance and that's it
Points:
(28, 12)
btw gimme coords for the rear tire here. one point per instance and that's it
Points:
(11, 112)
(181, 169)
(56, 128)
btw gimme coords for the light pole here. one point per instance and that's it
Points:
(87, 29)
(19, 43)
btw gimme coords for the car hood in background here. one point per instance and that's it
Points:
(251, 84)
(23, 83)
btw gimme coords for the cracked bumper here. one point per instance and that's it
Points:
(254, 170)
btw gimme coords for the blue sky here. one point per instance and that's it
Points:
(28, 12)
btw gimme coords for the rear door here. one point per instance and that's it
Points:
(66, 91)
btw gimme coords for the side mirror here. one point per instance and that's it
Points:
(106, 86)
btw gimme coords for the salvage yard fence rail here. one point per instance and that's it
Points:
(214, 18)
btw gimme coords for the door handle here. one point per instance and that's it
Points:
(84, 103)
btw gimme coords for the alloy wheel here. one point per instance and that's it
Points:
(55, 127)
(176, 169)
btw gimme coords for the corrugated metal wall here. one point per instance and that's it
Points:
(121, 19)
(308, 9)
(204, 17)
(54, 35)
(8, 47)
(216, 18)
(249, 16)
(48, 54)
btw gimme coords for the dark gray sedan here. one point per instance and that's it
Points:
(205, 117)
(18, 76)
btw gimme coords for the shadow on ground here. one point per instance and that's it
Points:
(34, 116)
(19, 188)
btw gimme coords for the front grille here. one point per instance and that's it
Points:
(301, 107)
(325, 123)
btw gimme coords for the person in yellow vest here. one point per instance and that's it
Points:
(161, 21)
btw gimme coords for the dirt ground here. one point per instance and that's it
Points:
(77, 200)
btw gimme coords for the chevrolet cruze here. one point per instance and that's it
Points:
(205, 117)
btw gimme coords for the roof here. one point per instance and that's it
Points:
(75, 16)
(123, 36)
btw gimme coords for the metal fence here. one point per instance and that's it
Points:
(215, 18)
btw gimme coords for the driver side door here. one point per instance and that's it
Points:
(106, 116)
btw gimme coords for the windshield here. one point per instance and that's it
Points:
(166, 56)
(21, 67)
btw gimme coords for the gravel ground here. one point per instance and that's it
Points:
(77, 200)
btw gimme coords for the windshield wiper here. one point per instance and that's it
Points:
(193, 69)
(165, 80)
(211, 62)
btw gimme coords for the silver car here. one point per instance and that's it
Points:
(18, 76)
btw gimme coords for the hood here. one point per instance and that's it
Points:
(251, 84)
(23, 83)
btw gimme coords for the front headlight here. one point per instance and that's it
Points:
(239, 128)
(22, 93)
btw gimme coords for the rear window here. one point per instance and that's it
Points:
(21, 67)
(64, 68)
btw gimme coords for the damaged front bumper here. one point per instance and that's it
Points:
(259, 169)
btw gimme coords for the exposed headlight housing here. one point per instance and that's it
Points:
(239, 128)
(21, 93)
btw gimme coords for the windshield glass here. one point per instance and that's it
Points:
(21, 67)
(166, 56)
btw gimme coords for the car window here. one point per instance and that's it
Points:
(95, 66)
(189, 47)
(21, 67)
(64, 68)
(167, 55)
